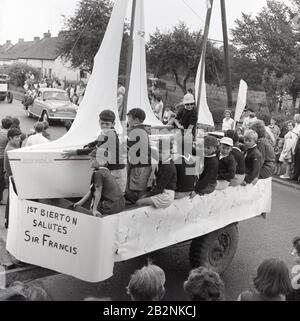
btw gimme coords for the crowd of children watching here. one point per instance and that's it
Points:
(272, 282)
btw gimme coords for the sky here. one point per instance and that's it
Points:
(30, 18)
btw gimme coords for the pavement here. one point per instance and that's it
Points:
(286, 182)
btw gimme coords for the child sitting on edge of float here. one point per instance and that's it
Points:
(185, 164)
(110, 138)
(104, 196)
(163, 193)
(227, 164)
(139, 161)
(253, 157)
(239, 158)
(207, 181)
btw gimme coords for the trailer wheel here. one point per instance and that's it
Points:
(215, 250)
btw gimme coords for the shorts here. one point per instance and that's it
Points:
(108, 207)
(121, 177)
(237, 180)
(163, 200)
(138, 178)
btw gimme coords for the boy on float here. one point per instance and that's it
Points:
(253, 158)
(139, 160)
(207, 181)
(163, 193)
(108, 135)
(227, 164)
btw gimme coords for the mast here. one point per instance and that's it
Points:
(204, 44)
(129, 62)
(226, 54)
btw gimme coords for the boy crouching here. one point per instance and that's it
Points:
(105, 196)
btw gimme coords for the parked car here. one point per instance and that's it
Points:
(52, 104)
(4, 89)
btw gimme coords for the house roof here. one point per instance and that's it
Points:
(45, 48)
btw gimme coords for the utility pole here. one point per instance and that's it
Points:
(226, 54)
(204, 44)
(129, 62)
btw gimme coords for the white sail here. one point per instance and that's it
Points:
(241, 101)
(204, 114)
(138, 93)
(40, 171)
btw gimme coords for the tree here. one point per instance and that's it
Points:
(178, 52)
(269, 42)
(83, 33)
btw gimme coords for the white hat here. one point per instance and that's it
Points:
(226, 141)
(188, 99)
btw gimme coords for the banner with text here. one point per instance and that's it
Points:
(62, 240)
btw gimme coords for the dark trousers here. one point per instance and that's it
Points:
(2, 179)
(296, 175)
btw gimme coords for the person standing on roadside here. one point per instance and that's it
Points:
(6, 123)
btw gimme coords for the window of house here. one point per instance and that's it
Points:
(45, 71)
(50, 73)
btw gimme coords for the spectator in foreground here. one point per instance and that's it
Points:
(272, 282)
(38, 137)
(294, 294)
(6, 123)
(20, 291)
(204, 284)
(147, 284)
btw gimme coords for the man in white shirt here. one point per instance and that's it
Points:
(38, 137)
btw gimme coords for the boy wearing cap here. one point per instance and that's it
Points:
(104, 196)
(187, 116)
(253, 158)
(207, 181)
(139, 160)
(163, 193)
(227, 164)
(116, 164)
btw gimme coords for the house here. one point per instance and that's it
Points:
(41, 54)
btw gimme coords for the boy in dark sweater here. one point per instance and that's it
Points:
(185, 164)
(139, 155)
(239, 158)
(227, 164)
(163, 193)
(207, 181)
(253, 157)
(110, 138)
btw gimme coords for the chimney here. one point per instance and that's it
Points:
(36, 38)
(21, 40)
(47, 34)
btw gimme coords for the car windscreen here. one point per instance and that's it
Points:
(56, 95)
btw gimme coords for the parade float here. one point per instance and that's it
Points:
(46, 235)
